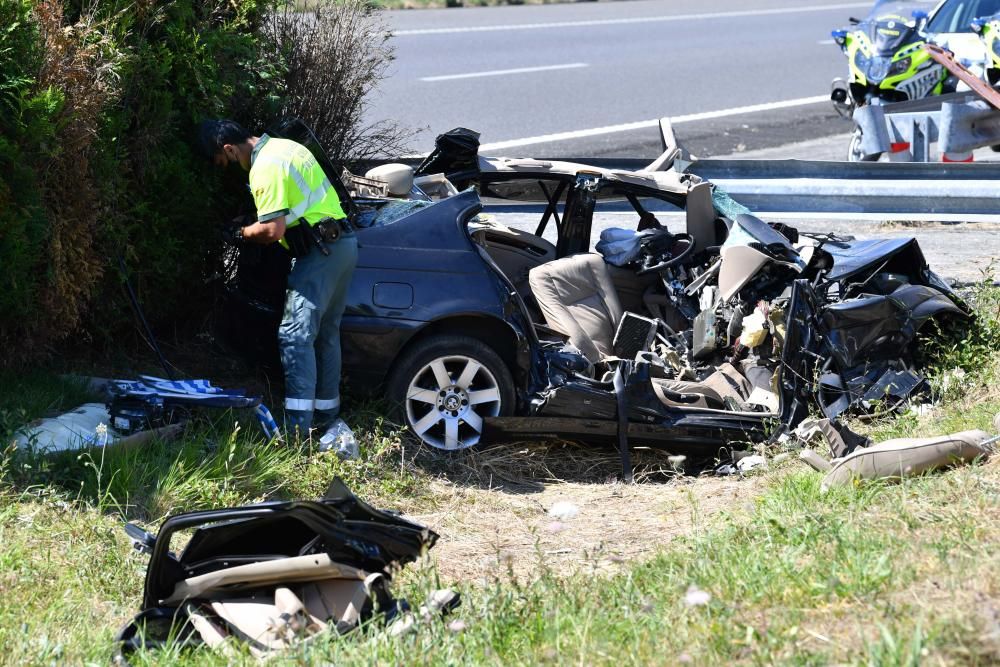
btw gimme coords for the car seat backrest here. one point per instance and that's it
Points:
(578, 299)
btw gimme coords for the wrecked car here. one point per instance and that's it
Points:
(272, 575)
(728, 330)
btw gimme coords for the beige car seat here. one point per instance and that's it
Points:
(275, 604)
(725, 383)
(578, 299)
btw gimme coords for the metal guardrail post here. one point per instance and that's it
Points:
(870, 119)
(965, 127)
(904, 137)
(922, 133)
(959, 123)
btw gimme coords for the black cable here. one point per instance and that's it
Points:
(142, 318)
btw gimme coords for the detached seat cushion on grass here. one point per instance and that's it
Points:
(906, 457)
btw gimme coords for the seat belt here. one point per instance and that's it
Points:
(619, 385)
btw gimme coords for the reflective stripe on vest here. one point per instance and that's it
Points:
(312, 196)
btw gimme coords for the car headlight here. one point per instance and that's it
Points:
(900, 66)
(878, 69)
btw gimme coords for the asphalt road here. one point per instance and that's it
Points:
(519, 74)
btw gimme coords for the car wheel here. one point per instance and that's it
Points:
(446, 385)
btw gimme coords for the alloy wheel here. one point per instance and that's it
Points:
(447, 400)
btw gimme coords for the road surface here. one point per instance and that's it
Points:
(734, 74)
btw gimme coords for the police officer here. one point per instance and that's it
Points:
(298, 208)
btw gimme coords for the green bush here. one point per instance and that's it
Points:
(23, 114)
(99, 102)
(98, 112)
(98, 107)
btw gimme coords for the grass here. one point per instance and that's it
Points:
(878, 574)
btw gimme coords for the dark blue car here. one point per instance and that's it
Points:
(726, 331)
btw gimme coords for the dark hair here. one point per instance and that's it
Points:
(214, 134)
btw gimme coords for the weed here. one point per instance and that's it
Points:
(969, 345)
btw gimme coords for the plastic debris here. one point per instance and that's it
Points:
(809, 431)
(77, 428)
(695, 597)
(907, 457)
(814, 460)
(564, 511)
(267, 423)
(748, 463)
(339, 439)
(754, 329)
(921, 409)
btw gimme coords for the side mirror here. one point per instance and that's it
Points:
(839, 36)
(977, 25)
(920, 16)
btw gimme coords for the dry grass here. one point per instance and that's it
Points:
(488, 534)
(491, 507)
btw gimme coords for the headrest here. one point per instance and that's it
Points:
(399, 178)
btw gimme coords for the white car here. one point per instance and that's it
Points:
(950, 26)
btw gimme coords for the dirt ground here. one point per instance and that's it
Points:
(517, 529)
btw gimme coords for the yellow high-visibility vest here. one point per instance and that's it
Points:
(286, 179)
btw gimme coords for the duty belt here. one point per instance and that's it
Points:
(331, 229)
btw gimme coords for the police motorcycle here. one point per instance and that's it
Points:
(886, 62)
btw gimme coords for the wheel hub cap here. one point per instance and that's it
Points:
(453, 401)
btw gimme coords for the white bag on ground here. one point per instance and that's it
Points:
(339, 438)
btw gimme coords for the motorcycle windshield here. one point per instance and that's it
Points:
(889, 26)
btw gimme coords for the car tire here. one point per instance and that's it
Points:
(445, 385)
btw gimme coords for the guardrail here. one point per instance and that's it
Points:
(851, 187)
(845, 187)
(842, 187)
(958, 123)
